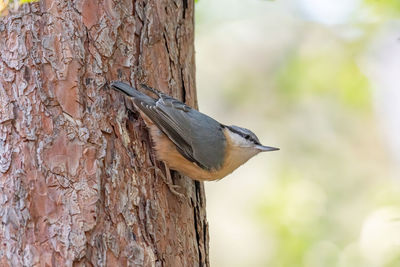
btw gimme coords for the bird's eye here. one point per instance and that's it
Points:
(247, 137)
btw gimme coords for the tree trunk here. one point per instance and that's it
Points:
(76, 177)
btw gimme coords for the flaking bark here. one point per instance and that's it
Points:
(77, 187)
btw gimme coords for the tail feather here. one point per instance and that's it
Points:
(125, 88)
(132, 92)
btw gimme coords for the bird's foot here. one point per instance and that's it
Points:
(168, 181)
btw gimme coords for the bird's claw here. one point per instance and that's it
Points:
(168, 181)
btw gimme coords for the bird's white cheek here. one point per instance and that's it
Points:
(237, 140)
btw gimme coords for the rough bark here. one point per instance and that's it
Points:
(77, 185)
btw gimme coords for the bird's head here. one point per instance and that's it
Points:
(246, 140)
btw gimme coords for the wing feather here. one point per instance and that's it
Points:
(197, 137)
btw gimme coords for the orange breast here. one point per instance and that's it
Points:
(167, 152)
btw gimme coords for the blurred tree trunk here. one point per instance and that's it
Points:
(76, 183)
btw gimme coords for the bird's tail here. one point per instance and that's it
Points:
(126, 88)
(132, 92)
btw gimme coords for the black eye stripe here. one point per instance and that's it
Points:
(245, 135)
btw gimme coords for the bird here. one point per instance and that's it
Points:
(189, 141)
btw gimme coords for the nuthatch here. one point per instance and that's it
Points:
(191, 142)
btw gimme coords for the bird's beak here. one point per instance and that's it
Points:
(266, 148)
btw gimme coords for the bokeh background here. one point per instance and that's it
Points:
(321, 80)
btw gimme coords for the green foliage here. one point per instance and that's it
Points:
(305, 218)
(321, 205)
(385, 7)
(5, 5)
(394, 262)
(21, 2)
(294, 210)
(332, 72)
(27, 1)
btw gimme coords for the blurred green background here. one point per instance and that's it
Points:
(321, 80)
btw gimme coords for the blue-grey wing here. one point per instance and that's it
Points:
(198, 137)
(203, 139)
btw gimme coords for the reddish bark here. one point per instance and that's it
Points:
(77, 187)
